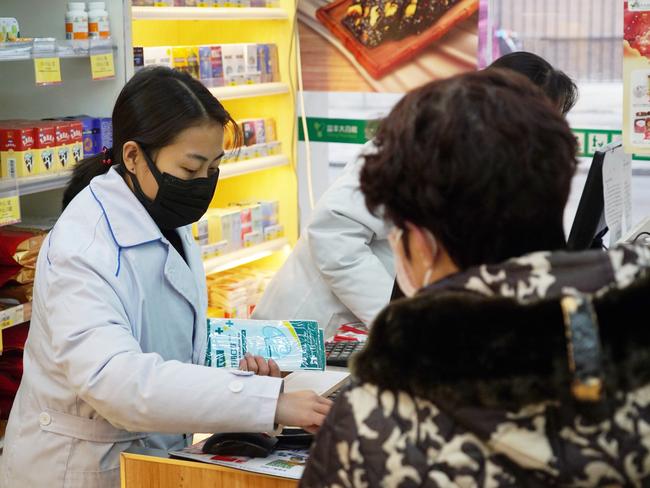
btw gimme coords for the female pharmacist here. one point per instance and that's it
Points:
(117, 337)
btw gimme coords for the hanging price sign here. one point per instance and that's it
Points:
(9, 210)
(102, 66)
(47, 71)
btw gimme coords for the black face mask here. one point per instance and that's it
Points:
(178, 202)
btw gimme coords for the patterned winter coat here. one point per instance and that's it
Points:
(470, 383)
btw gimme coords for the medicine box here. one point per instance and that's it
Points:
(44, 148)
(211, 65)
(157, 56)
(17, 152)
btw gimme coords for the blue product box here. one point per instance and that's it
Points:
(211, 65)
(106, 132)
(264, 64)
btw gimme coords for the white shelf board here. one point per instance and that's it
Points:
(248, 91)
(231, 170)
(207, 13)
(243, 256)
(35, 184)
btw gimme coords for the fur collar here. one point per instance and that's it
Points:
(465, 348)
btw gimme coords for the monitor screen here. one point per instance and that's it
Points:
(589, 225)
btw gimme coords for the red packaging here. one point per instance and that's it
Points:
(76, 140)
(45, 144)
(63, 140)
(16, 151)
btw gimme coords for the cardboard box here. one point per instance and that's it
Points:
(193, 61)
(213, 250)
(63, 140)
(224, 224)
(138, 58)
(253, 239)
(273, 232)
(157, 56)
(234, 63)
(106, 132)
(211, 65)
(270, 210)
(17, 158)
(45, 154)
(260, 131)
(76, 139)
(248, 128)
(270, 129)
(253, 74)
(200, 231)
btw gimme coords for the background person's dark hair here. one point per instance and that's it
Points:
(482, 160)
(555, 83)
(153, 108)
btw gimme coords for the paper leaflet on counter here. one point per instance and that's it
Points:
(283, 463)
(293, 344)
(617, 192)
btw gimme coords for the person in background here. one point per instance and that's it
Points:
(490, 372)
(342, 270)
(116, 346)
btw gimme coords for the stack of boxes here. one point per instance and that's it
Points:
(224, 230)
(48, 146)
(208, 3)
(216, 65)
(235, 294)
(259, 139)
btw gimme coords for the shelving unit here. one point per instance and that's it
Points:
(250, 91)
(270, 178)
(197, 13)
(244, 256)
(30, 185)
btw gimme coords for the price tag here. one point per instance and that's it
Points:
(102, 66)
(48, 71)
(9, 210)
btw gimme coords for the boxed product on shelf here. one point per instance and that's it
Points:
(211, 66)
(253, 74)
(273, 232)
(76, 140)
(9, 29)
(138, 58)
(45, 153)
(19, 246)
(16, 151)
(186, 59)
(63, 144)
(142, 3)
(270, 211)
(270, 129)
(213, 250)
(235, 293)
(234, 63)
(268, 64)
(157, 56)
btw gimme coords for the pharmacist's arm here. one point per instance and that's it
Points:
(93, 344)
(340, 233)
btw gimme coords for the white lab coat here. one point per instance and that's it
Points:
(115, 348)
(341, 269)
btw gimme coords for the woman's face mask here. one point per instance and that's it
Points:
(178, 202)
(404, 267)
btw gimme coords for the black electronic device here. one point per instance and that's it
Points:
(589, 225)
(293, 438)
(248, 445)
(339, 353)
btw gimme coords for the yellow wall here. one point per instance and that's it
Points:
(277, 183)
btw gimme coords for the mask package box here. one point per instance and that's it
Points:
(294, 345)
(9, 29)
(248, 128)
(17, 152)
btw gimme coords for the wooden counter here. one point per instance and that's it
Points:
(151, 468)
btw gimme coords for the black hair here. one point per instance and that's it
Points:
(153, 108)
(482, 160)
(555, 83)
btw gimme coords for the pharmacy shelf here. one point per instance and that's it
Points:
(207, 13)
(243, 256)
(231, 170)
(34, 184)
(248, 91)
(15, 315)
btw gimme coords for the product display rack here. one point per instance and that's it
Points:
(268, 178)
(208, 13)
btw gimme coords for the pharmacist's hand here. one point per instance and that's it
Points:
(304, 409)
(259, 366)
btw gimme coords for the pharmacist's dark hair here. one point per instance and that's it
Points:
(555, 83)
(153, 108)
(481, 160)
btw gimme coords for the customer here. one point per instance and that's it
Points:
(114, 357)
(342, 270)
(468, 383)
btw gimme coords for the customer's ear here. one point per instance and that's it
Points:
(421, 246)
